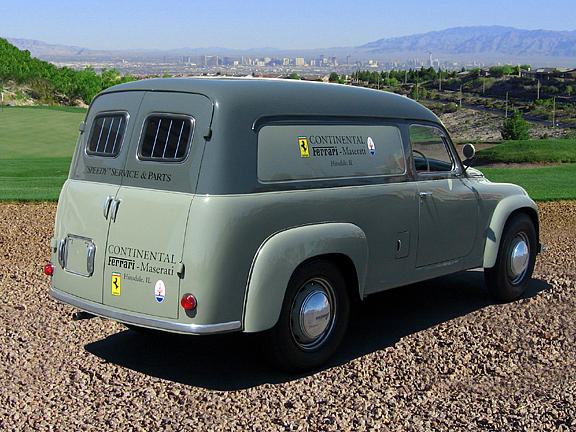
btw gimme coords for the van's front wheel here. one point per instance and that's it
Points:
(510, 276)
(313, 319)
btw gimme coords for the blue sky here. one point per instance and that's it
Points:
(289, 24)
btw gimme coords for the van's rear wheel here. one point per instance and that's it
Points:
(509, 277)
(313, 319)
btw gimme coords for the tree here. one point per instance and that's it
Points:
(515, 128)
(334, 78)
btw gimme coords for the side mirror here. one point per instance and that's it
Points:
(469, 153)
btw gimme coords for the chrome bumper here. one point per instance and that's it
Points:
(127, 318)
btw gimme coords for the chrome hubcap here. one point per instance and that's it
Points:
(519, 258)
(312, 314)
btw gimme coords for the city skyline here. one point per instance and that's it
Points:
(256, 24)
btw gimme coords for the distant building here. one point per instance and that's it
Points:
(211, 60)
(548, 72)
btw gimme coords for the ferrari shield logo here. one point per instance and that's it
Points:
(116, 282)
(304, 149)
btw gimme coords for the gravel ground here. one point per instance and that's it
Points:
(434, 356)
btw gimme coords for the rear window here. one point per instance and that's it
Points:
(107, 134)
(166, 138)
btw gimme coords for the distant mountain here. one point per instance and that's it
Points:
(41, 49)
(484, 44)
(477, 41)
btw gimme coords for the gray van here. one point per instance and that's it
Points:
(203, 206)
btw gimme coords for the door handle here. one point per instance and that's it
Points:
(107, 203)
(424, 195)
(114, 210)
(62, 253)
(90, 259)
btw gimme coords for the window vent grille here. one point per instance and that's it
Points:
(166, 138)
(107, 134)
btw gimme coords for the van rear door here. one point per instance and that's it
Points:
(87, 199)
(143, 263)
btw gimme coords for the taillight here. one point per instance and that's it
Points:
(188, 302)
(49, 269)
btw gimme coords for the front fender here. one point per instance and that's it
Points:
(283, 252)
(500, 216)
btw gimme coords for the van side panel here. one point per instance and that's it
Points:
(224, 235)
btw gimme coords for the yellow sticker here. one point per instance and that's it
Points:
(116, 282)
(303, 144)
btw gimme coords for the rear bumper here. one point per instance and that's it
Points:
(154, 323)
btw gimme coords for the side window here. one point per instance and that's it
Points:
(430, 150)
(166, 138)
(107, 134)
(319, 152)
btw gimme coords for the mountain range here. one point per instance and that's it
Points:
(483, 43)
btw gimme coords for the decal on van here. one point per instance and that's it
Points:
(131, 174)
(303, 144)
(116, 283)
(141, 260)
(371, 146)
(159, 291)
(329, 152)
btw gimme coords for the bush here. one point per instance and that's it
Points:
(515, 128)
(334, 78)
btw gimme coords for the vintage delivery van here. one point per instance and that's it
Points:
(202, 206)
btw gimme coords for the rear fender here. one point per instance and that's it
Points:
(283, 252)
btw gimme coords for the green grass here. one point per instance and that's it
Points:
(35, 179)
(534, 151)
(542, 184)
(36, 146)
(38, 132)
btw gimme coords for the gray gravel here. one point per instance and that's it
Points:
(434, 356)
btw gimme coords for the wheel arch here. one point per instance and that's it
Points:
(504, 211)
(283, 253)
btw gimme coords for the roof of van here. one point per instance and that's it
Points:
(267, 97)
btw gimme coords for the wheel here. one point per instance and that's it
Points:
(313, 318)
(508, 279)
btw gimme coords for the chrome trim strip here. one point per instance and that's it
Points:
(102, 311)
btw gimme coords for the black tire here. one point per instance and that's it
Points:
(296, 343)
(509, 277)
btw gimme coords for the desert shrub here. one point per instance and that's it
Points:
(515, 128)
